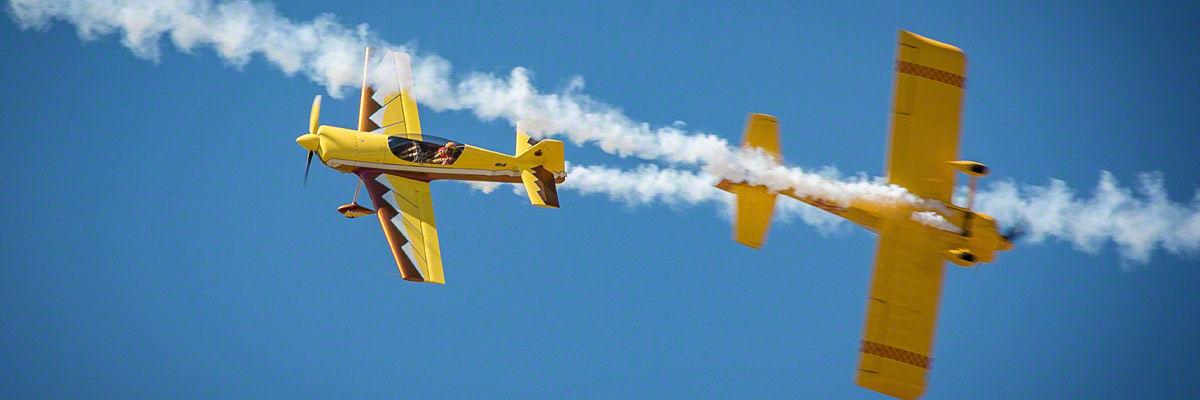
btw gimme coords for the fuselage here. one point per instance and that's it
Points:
(976, 239)
(966, 237)
(353, 151)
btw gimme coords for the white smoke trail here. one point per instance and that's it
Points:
(1137, 221)
(330, 54)
(322, 50)
(935, 220)
(649, 184)
(646, 184)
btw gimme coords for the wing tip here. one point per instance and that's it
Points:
(764, 116)
(915, 40)
(888, 386)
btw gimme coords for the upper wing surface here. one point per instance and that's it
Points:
(386, 106)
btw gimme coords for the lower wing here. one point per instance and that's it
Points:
(901, 312)
(418, 255)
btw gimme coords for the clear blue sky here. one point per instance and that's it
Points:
(158, 243)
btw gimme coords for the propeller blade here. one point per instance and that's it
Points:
(1016, 232)
(315, 115)
(306, 167)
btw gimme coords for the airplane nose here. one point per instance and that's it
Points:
(309, 141)
(1005, 245)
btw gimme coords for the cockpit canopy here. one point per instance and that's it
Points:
(428, 150)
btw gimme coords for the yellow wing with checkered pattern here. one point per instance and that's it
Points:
(901, 310)
(926, 109)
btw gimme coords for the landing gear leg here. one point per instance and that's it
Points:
(359, 186)
(354, 210)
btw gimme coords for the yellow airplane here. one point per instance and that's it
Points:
(389, 142)
(895, 353)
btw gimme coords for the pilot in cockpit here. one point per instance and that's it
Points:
(445, 154)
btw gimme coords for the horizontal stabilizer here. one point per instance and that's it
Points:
(539, 184)
(755, 203)
(752, 218)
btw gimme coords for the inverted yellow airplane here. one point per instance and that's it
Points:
(895, 353)
(389, 142)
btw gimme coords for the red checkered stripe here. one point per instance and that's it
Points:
(898, 354)
(946, 77)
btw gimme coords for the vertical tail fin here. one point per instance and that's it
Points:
(755, 204)
(762, 131)
(540, 161)
(524, 142)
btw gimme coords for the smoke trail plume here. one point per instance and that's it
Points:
(322, 50)
(650, 184)
(329, 54)
(1138, 221)
(935, 220)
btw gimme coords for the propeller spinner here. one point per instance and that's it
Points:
(310, 140)
(1016, 232)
